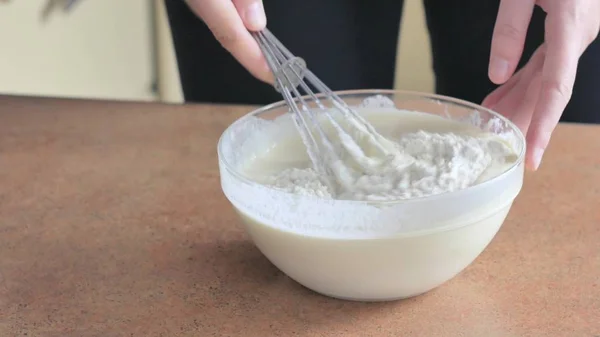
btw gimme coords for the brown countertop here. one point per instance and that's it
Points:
(112, 223)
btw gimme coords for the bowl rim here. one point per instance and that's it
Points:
(372, 92)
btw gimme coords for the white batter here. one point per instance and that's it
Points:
(421, 155)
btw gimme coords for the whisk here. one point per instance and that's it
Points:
(291, 74)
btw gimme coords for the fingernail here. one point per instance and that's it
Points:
(498, 69)
(536, 157)
(266, 67)
(487, 105)
(268, 74)
(255, 16)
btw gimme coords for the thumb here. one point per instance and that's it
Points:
(223, 18)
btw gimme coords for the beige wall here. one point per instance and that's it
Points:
(169, 86)
(414, 70)
(102, 49)
(414, 60)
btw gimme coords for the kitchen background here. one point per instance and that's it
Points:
(115, 49)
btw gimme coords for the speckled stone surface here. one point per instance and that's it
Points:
(112, 223)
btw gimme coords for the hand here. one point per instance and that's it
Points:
(535, 97)
(230, 21)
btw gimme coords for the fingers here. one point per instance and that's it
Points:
(510, 96)
(524, 112)
(492, 100)
(509, 37)
(530, 90)
(563, 40)
(223, 18)
(505, 97)
(252, 14)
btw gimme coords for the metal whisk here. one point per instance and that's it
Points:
(290, 74)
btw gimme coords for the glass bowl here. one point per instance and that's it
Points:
(419, 243)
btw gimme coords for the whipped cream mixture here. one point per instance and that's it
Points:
(419, 155)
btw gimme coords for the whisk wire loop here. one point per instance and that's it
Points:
(291, 74)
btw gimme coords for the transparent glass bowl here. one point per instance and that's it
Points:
(427, 240)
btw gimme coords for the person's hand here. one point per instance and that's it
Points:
(535, 97)
(230, 21)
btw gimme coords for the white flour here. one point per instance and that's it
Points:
(422, 164)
